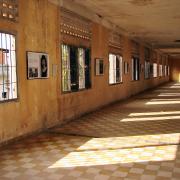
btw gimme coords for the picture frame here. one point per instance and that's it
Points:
(37, 65)
(99, 67)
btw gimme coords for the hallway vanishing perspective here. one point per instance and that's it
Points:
(135, 139)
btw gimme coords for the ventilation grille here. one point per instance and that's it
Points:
(9, 10)
(74, 25)
(135, 48)
(115, 40)
(147, 54)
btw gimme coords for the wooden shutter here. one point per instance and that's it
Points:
(87, 68)
(74, 68)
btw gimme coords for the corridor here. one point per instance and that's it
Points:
(133, 139)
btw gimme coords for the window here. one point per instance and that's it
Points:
(165, 70)
(75, 68)
(8, 79)
(147, 70)
(168, 70)
(135, 69)
(155, 70)
(160, 70)
(147, 66)
(115, 69)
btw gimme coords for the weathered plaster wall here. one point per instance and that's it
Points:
(175, 69)
(41, 103)
(37, 106)
(75, 104)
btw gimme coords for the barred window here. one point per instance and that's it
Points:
(115, 69)
(168, 71)
(165, 70)
(135, 69)
(147, 65)
(155, 70)
(160, 70)
(75, 68)
(8, 79)
(147, 70)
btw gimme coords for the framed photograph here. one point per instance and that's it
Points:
(99, 66)
(37, 65)
(126, 67)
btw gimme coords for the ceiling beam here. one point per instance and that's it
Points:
(167, 46)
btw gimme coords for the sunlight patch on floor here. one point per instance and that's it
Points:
(169, 94)
(162, 102)
(149, 118)
(154, 113)
(117, 150)
(107, 157)
(177, 99)
(111, 143)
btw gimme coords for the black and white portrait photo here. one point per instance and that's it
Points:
(37, 65)
(44, 66)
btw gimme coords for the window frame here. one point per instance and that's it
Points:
(15, 34)
(61, 69)
(121, 69)
(132, 69)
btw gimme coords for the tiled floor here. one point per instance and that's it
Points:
(136, 139)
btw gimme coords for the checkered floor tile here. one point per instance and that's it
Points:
(136, 139)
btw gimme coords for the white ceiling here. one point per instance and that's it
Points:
(154, 21)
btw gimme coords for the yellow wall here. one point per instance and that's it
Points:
(37, 105)
(41, 103)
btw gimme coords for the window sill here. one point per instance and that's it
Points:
(72, 92)
(135, 80)
(10, 101)
(114, 84)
